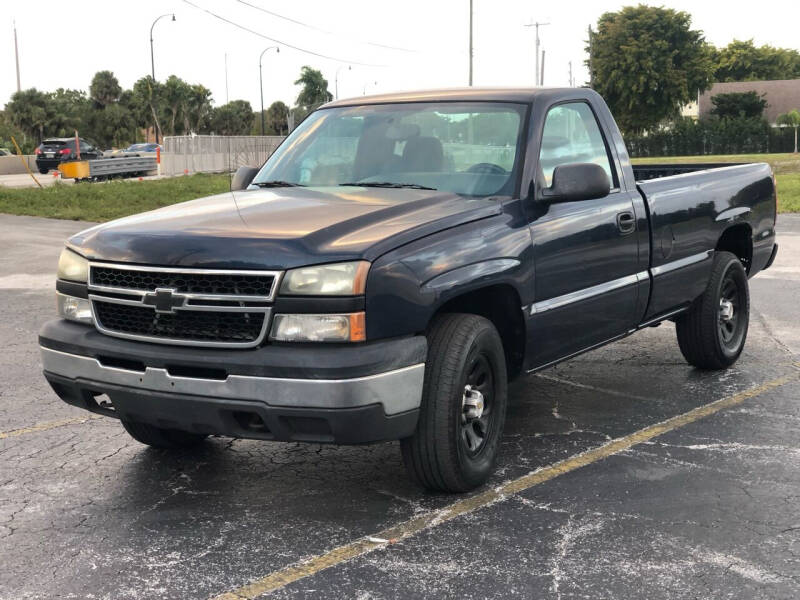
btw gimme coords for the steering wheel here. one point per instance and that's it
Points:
(488, 168)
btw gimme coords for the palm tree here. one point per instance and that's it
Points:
(790, 119)
(315, 89)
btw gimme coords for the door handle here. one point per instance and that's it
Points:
(626, 222)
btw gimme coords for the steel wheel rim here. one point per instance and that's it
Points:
(729, 320)
(475, 430)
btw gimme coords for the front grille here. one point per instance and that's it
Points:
(208, 307)
(186, 325)
(184, 282)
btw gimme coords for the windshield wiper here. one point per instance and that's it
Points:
(277, 183)
(388, 184)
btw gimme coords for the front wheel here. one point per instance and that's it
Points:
(463, 406)
(712, 334)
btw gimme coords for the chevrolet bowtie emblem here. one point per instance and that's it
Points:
(164, 300)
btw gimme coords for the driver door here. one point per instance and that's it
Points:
(586, 252)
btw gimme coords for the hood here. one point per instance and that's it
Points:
(280, 228)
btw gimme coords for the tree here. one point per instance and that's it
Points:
(196, 108)
(790, 119)
(276, 119)
(738, 104)
(29, 110)
(113, 125)
(145, 101)
(176, 93)
(743, 61)
(315, 89)
(647, 63)
(104, 88)
(69, 110)
(7, 130)
(234, 118)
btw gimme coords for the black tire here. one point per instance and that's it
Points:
(453, 449)
(709, 337)
(158, 437)
(43, 171)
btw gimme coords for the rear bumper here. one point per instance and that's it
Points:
(771, 258)
(237, 392)
(48, 163)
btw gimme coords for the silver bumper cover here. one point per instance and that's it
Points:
(398, 391)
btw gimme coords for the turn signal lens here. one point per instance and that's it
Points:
(319, 328)
(74, 309)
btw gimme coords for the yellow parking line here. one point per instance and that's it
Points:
(306, 568)
(45, 426)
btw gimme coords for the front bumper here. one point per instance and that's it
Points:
(343, 394)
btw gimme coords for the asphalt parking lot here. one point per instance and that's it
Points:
(623, 474)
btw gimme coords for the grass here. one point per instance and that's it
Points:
(106, 201)
(788, 192)
(785, 166)
(111, 200)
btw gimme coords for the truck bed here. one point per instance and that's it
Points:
(657, 171)
(690, 206)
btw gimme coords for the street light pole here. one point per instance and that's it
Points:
(336, 79)
(152, 59)
(261, 82)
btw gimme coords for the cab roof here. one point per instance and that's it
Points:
(467, 94)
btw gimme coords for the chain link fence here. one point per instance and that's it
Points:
(215, 153)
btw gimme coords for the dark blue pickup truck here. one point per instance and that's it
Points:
(393, 265)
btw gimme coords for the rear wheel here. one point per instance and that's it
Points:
(159, 437)
(712, 334)
(463, 406)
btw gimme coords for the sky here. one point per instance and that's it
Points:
(374, 46)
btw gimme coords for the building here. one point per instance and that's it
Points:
(782, 95)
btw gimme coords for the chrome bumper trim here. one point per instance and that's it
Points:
(398, 391)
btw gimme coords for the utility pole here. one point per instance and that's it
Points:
(591, 74)
(536, 26)
(226, 78)
(470, 43)
(570, 75)
(16, 55)
(541, 75)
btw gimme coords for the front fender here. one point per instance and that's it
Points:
(406, 286)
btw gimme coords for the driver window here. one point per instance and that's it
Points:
(571, 135)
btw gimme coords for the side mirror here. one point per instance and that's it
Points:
(578, 181)
(243, 177)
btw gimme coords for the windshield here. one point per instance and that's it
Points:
(466, 148)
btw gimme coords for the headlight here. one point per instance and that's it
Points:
(341, 279)
(72, 266)
(74, 309)
(319, 328)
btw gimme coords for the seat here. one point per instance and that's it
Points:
(423, 155)
(373, 153)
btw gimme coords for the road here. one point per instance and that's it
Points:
(623, 474)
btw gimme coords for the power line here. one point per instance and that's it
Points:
(271, 39)
(313, 27)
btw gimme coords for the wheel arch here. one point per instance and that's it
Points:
(499, 303)
(738, 240)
